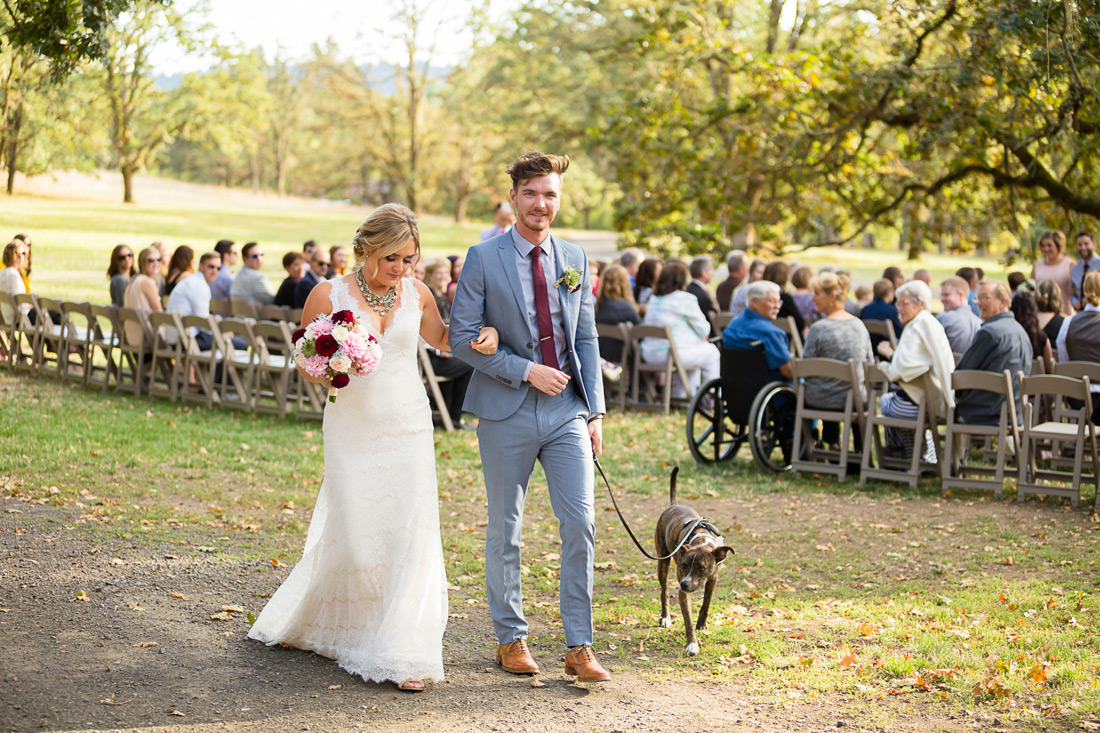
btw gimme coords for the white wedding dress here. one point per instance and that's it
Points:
(370, 590)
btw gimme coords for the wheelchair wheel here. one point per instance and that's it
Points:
(771, 427)
(711, 433)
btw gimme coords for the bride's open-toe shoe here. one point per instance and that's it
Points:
(411, 685)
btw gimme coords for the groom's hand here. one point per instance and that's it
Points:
(595, 431)
(547, 380)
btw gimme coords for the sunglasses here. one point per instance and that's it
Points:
(125, 256)
(153, 259)
(256, 255)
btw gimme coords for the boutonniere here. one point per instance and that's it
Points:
(570, 279)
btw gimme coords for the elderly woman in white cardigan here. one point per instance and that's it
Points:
(922, 349)
(672, 306)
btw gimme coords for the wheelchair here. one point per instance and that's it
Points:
(745, 404)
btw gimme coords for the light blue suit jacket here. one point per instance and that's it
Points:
(489, 293)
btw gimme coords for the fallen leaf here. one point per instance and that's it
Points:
(233, 609)
(145, 644)
(181, 596)
(223, 616)
(176, 713)
(82, 596)
(536, 682)
(111, 701)
(336, 687)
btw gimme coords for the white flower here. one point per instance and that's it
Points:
(340, 333)
(311, 333)
(299, 358)
(339, 364)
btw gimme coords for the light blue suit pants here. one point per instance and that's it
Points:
(554, 431)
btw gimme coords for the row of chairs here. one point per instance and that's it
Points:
(1051, 441)
(237, 309)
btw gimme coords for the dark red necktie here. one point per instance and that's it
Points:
(542, 311)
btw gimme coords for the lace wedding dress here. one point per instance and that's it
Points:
(370, 590)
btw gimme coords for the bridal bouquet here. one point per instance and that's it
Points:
(333, 346)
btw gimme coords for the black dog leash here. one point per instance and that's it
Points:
(687, 535)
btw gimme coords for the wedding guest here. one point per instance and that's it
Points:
(318, 266)
(674, 307)
(882, 308)
(1055, 265)
(645, 280)
(437, 275)
(419, 271)
(503, 219)
(1079, 337)
(143, 295)
(251, 285)
(11, 278)
(631, 259)
(25, 270)
(924, 276)
(803, 294)
(191, 296)
(456, 270)
(338, 258)
(120, 271)
(922, 349)
(970, 275)
(779, 272)
(595, 268)
(181, 266)
(895, 275)
(615, 304)
(307, 249)
(1015, 280)
(958, 321)
(757, 324)
(231, 255)
(863, 294)
(1088, 262)
(836, 335)
(702, 271)
(737, 267)
(1048, 299)
(162, 271)
(295, 266)
(1026, 312)
(756, 269)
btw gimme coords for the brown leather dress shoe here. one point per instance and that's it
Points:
(515, 658)
(581, 661)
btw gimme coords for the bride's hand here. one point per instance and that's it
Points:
(486, 342)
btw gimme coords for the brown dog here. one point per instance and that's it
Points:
(697, 561)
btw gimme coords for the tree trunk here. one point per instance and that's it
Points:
(13, 145)
(461, 204)
(127, 184)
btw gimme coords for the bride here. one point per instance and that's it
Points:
(370, 590)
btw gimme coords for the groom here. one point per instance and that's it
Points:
(540, 397)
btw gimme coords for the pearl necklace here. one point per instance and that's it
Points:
(380, 304)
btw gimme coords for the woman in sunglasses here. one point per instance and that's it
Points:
(120, 271)
(142, 293)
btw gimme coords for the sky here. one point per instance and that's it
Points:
(357, 26)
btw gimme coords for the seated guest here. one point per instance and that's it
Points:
(120, 272)
(318, 266)
(456, 271)
(419, 270)
(165, 259)
(924, 276)
(702, 271)
(863, 295)
(1055, 266)
(837, 335)
(882, 308)
(503, 219)
(737, 268)
(922, 349)
(615, 304)
(957, 319)
(436, 276)
(338, 261)
(307, 248)
(181, 267)
(1048, 299)
(1079, 337)
(645, 280)
(220, 288)
(191, 297)
(757, 323)
(674, 307)
(803, 295)
(1026, 314)
(11, 281)
(970, 275)
(250, 284)
(142, 295)
(1001, 343)
(894, 275)
(779, 273)
(295, 266)
(25, 270)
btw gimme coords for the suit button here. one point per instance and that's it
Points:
(530, 346)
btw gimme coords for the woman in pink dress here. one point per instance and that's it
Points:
(1054, 265)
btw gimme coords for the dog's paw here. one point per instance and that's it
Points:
(692, 649)
(666, 622)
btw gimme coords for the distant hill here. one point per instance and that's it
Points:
(383, 73)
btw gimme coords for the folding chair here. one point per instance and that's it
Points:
(884, 329)
(431, 383)
(240, 310)
(887, 467)
(647, 373)
(50, 346)
(76, 325)
(274, 370)
(806, 455)
(719, 321)
(294, 317)
(169, 340)
(220, 307)
(238, 371)
(132, 330)
(201, 366)
(275, 313)
(1074, 427)
(794, 338)
(7, 328)
(617, 389)
(957, 471)
(26, 333)
(103, 342)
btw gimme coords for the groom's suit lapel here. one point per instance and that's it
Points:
(570, 304)
(507, 253)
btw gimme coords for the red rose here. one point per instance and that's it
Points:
(326, 345)
(340, 381)
(297, 335)
(343, 317)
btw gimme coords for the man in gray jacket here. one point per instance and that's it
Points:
(250, 285)
(1001, 343)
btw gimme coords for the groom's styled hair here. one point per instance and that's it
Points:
(533, 164)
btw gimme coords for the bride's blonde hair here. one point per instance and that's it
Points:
(387, 230)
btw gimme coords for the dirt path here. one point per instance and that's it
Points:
(116, 635)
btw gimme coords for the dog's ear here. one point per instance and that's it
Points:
(720, 553)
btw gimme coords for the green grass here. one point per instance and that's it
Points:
(877, 591)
